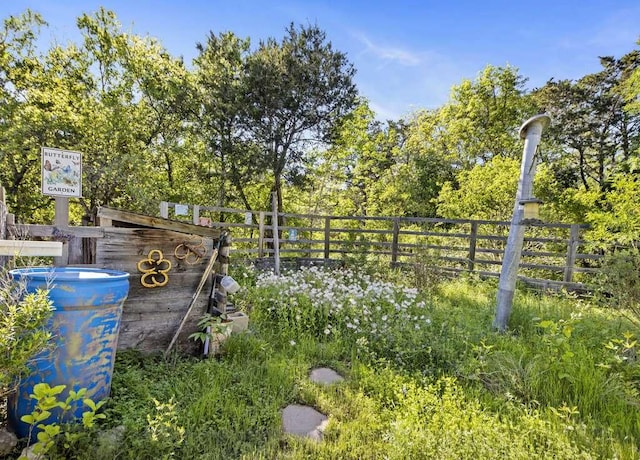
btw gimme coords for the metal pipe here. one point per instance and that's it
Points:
(531, 131)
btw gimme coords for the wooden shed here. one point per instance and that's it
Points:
(155, 307)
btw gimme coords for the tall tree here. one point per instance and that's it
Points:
(25, 124)
(479, 123)
(221, 114)
(361, 164)
(591, 132)
(296, 92)
(482, 118)
(112, 97)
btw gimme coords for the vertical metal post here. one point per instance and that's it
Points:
(531, 131)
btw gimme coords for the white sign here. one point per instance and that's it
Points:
(181, 209)
(248, 218)
(61, 172)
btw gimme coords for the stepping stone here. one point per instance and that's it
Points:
(325, 376)
(304, 421)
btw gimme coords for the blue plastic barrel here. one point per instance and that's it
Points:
(85, 326)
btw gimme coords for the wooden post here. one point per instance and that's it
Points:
(164, 209)
(261, 235)
(472, 246)
(327, 236)
(61, 221)
(3, 224)
(394, 242)
(223, 270)
(196, 214)
(572, 249)
(276, 237)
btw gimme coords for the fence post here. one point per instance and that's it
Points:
(394, 242)
(276, 236)
(164, 209)
(327, 235)
(196, 214)
(472, 246)
(3, 224)
(572, 249)
(261, 235)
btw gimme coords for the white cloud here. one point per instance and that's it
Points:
(390, 53)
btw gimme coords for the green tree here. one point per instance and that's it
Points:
(112, 97)
(479, 123)
(220, 115)
(481, 120)
(296, 93)
(486, 191)
(591, 136)
(359, 172)
(25, 122)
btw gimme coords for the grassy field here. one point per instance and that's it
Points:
(425, 378)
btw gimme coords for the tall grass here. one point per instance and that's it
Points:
(426, 377)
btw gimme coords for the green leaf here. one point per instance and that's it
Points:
(90, 404)
(29, 419)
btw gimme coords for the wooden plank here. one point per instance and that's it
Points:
(371, 231)
(61, 220)
(156, 222)
(586, 270)
(151, 315)
(149, 336)
(241, 225)
(51, 231)
(19, 248)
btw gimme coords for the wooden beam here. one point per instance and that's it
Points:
(19, 248)
(156, 222)
(44, 231)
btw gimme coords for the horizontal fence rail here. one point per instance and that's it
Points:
(554, 254)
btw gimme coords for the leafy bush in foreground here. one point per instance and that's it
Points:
(22, 333)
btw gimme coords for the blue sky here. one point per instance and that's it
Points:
(407, 54)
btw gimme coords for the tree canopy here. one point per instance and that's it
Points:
(284, 115)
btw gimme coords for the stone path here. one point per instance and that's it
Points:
(304, 420)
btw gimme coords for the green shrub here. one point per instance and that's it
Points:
(22, 330)
(619, 281)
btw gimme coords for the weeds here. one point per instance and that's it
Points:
(425, 377)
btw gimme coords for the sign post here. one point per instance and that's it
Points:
(61, 178)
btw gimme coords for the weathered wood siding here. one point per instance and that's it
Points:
(152, 315)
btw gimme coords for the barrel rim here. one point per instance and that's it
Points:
(67, 274)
